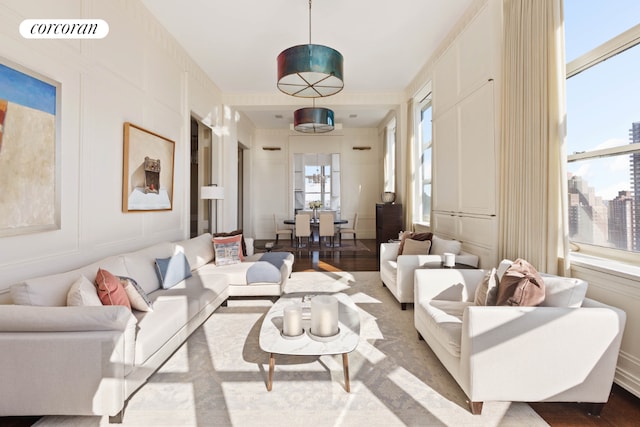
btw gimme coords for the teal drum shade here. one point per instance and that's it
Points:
(310, 71)
(313, 120)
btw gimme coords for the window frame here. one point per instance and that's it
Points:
(390, 156)
(618, 44)
(422, 101)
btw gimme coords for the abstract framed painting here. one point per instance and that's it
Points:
(30, 156)
(147, 181)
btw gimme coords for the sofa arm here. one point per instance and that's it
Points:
(406, 266)
(467, 259)
(540, 353)
(446, 284)
(25, 318)
(44, 348)
(389, 251)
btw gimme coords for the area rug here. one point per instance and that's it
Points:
(347, 245)
(218, 377)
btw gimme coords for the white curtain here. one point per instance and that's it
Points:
(409, 168)
(533, 205)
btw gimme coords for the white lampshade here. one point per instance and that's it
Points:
(212, 192)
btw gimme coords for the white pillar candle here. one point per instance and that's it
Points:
(292, 322)
(324, 315)
(449, 259)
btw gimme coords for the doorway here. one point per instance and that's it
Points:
(240, 214)
(200, 175)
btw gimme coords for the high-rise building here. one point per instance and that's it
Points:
(634, 137)
(621, 221)
(588, 214)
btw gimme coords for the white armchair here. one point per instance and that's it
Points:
(510, 353)
(396, 272)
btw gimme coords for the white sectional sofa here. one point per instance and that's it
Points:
(396, 271)
(87, 360)
(563, 350)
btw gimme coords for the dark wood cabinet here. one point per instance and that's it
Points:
(388, 222)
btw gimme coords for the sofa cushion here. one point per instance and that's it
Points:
(243, 244)
(440, 246)
(421, 237)
(563, 291)
(172, 309)
(52, 290)
(110, 290)
(172, 270)
(83, 293)
(487, 289)
(446, 322)
(521, 285)
(227, 250)
(199, 250)
(137, 296)
(141, 265)
(416, 247)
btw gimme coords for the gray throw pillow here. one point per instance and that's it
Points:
(173, 270)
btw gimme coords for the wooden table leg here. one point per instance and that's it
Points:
(272, 365)
(345, 367)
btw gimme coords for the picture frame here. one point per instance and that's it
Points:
(148, 170)
(30, 151)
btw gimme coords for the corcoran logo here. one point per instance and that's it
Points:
(64, 28)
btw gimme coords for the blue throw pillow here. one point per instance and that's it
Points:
(172, 271)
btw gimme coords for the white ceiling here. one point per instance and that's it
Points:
(236, 43)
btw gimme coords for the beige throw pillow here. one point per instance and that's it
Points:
(414, 236)
(487, 289)
(137, 296)
(416, 247)
(83, 293)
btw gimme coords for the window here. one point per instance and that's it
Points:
(424, 148)
(316, 177)
(390, 157)
(603, 125)
(317, 185)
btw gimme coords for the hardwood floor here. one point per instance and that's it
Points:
(623, 408)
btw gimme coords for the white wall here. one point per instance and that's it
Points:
(138, 74)
(272, 175)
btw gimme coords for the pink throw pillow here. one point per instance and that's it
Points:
(110, 290)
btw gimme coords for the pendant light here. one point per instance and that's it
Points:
(313, 120)
(310, 70)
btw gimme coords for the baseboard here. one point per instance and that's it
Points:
(626, 373)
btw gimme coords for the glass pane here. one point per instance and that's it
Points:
(602, 207)
(426, 164)
(425, 125)
(588, 24)
(601, 103)
(426, 203)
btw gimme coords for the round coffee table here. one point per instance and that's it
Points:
(272, 341)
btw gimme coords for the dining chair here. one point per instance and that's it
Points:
(283, 231)
(327, 228)
(303, 228)
(347, 230)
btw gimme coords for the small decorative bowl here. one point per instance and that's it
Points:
(388, 197)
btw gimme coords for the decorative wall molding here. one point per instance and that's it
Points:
(156, 32)
(623, 292)
(424, 75)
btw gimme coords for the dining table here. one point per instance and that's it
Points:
(316, 221)
(315, 225)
